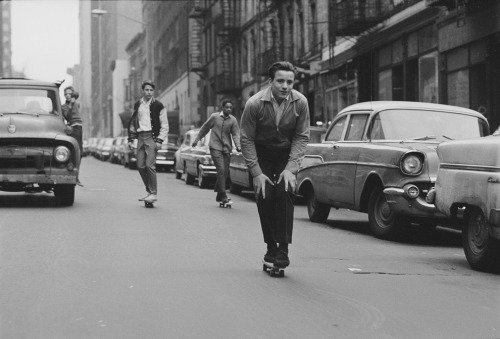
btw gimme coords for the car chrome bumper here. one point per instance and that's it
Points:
(401, 203)
(208, 170)
(165, 162)
(37, 179)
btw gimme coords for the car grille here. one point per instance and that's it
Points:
(24, 158)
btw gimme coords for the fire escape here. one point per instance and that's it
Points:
(227, 80)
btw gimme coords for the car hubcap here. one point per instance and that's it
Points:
(478, 237)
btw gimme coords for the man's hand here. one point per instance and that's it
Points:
(259, 185)
(289, 178)
(130, 145)
(158, 145)
(238, 149)
(194, 144)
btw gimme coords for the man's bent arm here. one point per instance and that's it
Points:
(248, 125)
(300, 139)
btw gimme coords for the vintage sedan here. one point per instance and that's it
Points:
(165, 157)
(196, 162)
(240, 178)
(36, 152)
(468, 191)
(380, 158)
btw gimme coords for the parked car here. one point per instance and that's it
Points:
(85, 147)
(36, 152)
(196, 162)
(240, 178)
(380, 158)
(165, 157)
(468, 191)
(115, 153)
(92, 146)
(104, 149)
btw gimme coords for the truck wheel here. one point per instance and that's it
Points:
(64, 194)
(235, 189)
(482, 251)
(318, 212)
(202, 181)
(384, 223)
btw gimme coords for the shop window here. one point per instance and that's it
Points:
(457, 59)
(332, 104)
(356, 127)
(478, 52)
(385, 85)
(413, 44)
(428, 77)
(427, 38)
(385, 56)
(397, 83)
(397, 52)
(458, 88)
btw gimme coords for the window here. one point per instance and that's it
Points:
(385, 85)
(428, 82)
(336, 131)
(356, 127)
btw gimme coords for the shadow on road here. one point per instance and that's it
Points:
(27, 200)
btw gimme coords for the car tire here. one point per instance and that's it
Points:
(317, 211)
(178, 175)
(64, 194)
(384, 223)
(481, 250)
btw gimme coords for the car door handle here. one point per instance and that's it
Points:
(336, 146)
(493, 181)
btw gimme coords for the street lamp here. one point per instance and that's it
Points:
(99, 12)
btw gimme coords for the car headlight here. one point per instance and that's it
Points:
(412, 164)
(61, 154)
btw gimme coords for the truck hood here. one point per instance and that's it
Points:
(31, 126)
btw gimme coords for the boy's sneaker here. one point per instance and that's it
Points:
(282, 259)
(144, 198)
(150, 198)
(270, 255)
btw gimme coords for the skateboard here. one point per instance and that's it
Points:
(148, 204)
(225, 204)
(273, 270)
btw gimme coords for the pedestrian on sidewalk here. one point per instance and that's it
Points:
(274, 135)
(223, 125)
(71, 113)
(149, 125)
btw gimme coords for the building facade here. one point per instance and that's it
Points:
(5, 35)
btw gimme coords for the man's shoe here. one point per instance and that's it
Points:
(270, 255)
(144, 198)
(150, 198)
(282, 259)
(79, 183)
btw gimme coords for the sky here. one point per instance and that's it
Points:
(44, 38)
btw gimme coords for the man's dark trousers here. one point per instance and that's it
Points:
(276, 210)
(221, 162)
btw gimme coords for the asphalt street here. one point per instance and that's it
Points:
(108, 267)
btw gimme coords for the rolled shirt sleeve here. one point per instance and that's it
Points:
(163, 125)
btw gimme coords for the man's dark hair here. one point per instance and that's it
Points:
(148, 82)
(225, 101)
(70, 88)
(281, 66)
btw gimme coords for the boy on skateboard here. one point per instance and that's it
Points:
(149, 125)
(223, 126)
(274, 135)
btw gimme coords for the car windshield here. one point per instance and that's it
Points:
(108, 142)
(401, 124)
(27, 101)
